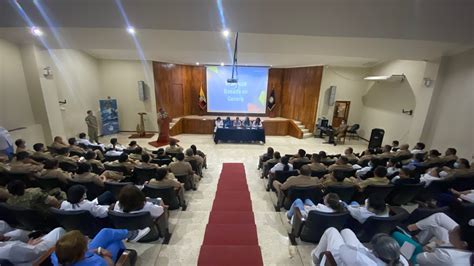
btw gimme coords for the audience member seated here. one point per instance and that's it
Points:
(316, 164)
(40, 152)
(84, 175)
(374, 206)
(257, 123)
(304, 179)
(73, 247)
(450, 155)
(52, 170)
(90, 158)
(342, 163)
(132, 145)
(403, 151)
(26, 251)
(23, 164)
(403, 177)
(237, 122)
(339, 133)
(228, 123)
(461, 169)
(132, 200)
(325, 159)
(58, 143)
(265, 157)
(300, 157)
(417, 161)
(452, 244)
(331, 204)
(330, 179)
(31, 198)
(349, 154)
(201, 154)
(433, 174)
(63, 156)
(189, 156)
(165, 179)
(73, 147)
(467, 195)
(77, 200)
(136, 154)
(270, 162)
(380, 178)
(348, 250)
(180, 167)
(173, 148)
(114, 148)
(160, 154)
(21, 146)
(386, 153)
(419, 148)
(395, 144)
(283, 165)
(433, 157)
(373, 163)
(367, 156)
(84, 141)
(392, 166)
(145, 163)
(124, 161)
(247, 123)
(218, 124)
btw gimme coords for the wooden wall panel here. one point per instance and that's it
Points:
(276, 128)
(296, 91)
(198, 126)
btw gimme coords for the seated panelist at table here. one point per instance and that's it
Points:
(228, 123)
(247, 122)
(218, 123)
(237, 122)
(257, 123)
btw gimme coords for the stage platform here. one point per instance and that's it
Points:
(274, 126)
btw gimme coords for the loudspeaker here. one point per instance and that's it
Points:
(376, 138)
(142, 90)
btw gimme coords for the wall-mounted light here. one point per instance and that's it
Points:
(427, 82)
(47, 72)
(408, 112)
(63, 102)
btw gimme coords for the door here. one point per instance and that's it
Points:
(341, 112)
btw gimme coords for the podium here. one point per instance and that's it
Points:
(164, 124)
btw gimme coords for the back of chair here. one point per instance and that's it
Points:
(345, 192)
(6, 215)
(93, 190)
(421, 213)
(24, 177)
(32, 220)
(115, 187)
(194, 165)
(96, 169)
(141, 175)
(319, 174)
(341, 174)
(167, 194)
(76, 153)
(116, 168)
(312, 193)
(402, 158)
(48, 183)
(404, 193)
(297, 164)
(171, 154)
(68, 167)
(186, 180)
(77, 220)
(374, 225)
(434, 189)
(464, 212)
(381, 190)
(418, 171)
(463, 183)
(111, 158)
(353, 129)
(161, 162)
(282, 176)
(135, 221)
(4, 178)
(317, 222)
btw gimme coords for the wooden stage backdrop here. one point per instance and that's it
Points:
(296, 91)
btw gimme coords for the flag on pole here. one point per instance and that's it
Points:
(202, 99)
(271, 100)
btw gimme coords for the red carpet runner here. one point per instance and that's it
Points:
(231, 234)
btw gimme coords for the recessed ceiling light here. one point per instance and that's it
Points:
(36, 31)
(197, 63)
(131, 30)
(222, 64)
(271, 65)
(226, 33)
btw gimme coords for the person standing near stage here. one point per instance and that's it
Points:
(92, 127)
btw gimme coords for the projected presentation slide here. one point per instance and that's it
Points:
(248, 95)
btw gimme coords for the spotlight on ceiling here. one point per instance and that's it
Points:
(131, 30)
(222, 64)
(36, 31)
(197, 63)
(226, 33)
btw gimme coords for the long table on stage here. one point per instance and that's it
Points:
(239, 134)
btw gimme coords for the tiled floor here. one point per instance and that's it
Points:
(188, 227)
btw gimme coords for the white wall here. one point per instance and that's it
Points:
(350, 86)
(451, 122)
(15, 105)
(119, 80)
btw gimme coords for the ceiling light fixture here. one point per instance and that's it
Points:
(222, 64)
(131, 30)
(226, 33)
(386, 78)
(36, 31)
(197, 63)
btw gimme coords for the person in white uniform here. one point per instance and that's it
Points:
(6, 143)
(348, 250)
(77, 200)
